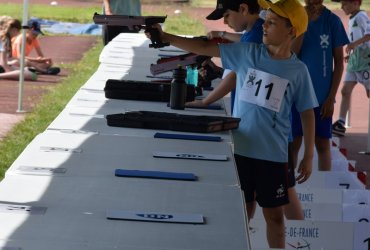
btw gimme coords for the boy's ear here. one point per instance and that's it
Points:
(243, 8)
(293, 32)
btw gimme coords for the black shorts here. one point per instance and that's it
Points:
(291, 172)
(263, 181)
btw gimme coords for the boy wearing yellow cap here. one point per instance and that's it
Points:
(269, 79)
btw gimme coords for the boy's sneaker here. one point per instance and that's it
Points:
(53, 71)
(338, 128)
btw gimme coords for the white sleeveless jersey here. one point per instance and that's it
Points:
(359, 26)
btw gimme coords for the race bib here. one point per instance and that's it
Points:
(263, 89)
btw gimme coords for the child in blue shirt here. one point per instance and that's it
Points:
(270, 78)
(322, 51)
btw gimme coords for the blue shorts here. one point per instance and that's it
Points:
(263, 181)
(322, 126)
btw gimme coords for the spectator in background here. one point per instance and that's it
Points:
(14, 29)
(321, 49)
(7, 70)
(358, 58)
(119, 7)
(40, 64)
(4, 21)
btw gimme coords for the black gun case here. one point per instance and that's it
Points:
(143, 91)
(172, 121)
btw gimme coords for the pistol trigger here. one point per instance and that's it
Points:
(137, 28)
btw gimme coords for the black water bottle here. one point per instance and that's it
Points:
(178, 89)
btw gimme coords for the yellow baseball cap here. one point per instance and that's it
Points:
(291, 9)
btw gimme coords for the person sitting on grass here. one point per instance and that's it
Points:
(40, 64)
(4, 21)
(9, 71)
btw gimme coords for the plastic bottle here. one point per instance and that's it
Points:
(189, 74)
(192, 75)
(195, 76)
(178, 89)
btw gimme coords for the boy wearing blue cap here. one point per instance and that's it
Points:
(241, 16)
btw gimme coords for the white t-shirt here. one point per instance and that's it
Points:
(359, 26)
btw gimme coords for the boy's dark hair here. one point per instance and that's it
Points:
(224, 5)
(253, 6)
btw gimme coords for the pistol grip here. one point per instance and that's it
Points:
(155, 38)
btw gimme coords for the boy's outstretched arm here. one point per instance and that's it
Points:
(233, 37)
(197, 46)
(225, 86)
(308, 126)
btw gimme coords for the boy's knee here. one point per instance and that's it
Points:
(322, 145)
(345, 92)
(274, 216)
(347, 88)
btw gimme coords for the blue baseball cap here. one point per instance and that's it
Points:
(222, 6)
(35, 27)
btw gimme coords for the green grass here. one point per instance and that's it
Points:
(178, 24)
(184, 25)
(66, 14)
(204, 3)
(48, 108)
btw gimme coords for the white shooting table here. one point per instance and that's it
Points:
(76, 212)
(90, 155)
(57, 192)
